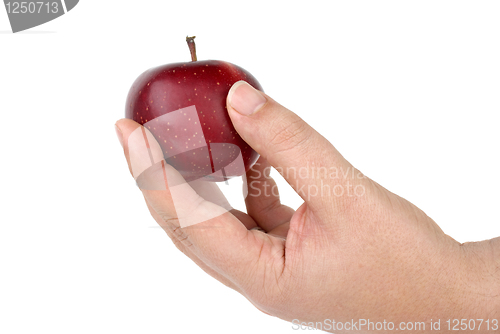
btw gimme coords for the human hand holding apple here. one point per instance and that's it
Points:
(372, 256)
(184, 106)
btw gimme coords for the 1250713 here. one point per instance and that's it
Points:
(32, 7)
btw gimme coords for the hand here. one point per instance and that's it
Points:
(352, 250)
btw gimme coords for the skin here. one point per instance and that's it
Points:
(368, 255)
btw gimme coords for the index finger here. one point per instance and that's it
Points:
(215, 235)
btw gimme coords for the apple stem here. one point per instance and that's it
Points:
(192, 47)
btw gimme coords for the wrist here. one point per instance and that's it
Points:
(481, 283)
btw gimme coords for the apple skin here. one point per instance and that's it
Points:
(203, 84)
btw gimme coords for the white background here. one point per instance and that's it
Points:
(407, 91)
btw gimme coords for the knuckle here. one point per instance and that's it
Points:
(170, 222)
(288, 136)
(271, 206)
(179, 237)
(267, 287)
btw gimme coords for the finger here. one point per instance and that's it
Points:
(312, 166)
(263, 200)
(155, 177)
(210, 191)
(186, 250)
(245, 219)
(280, 231)
(211, 232)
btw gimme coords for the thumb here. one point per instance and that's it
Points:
(305, 158)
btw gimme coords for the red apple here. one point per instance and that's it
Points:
(184, 106)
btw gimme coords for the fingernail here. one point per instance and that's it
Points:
(119, 134)
(245, 99)
(277, 236)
